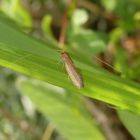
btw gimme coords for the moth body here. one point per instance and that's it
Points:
(71, 70)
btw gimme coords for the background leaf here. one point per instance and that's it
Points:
(67, 111)
(131, 122)
(14, 10)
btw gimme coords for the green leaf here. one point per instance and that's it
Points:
(24, 54)
(131, 122)
(80, 16)
(46, 26)
(109, 4)
(86, 43)
(65, 110)
(120, 63)
(127, 19)
(14, 10)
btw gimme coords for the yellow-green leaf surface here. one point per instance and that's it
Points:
(132, 122)
(65, 110)
(27, 55)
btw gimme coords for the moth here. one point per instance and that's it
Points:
(71, 70)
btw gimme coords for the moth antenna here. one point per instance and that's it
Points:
(104, 62)
(22, 58)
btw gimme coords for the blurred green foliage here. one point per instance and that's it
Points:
(14, 10)
(112, 29)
